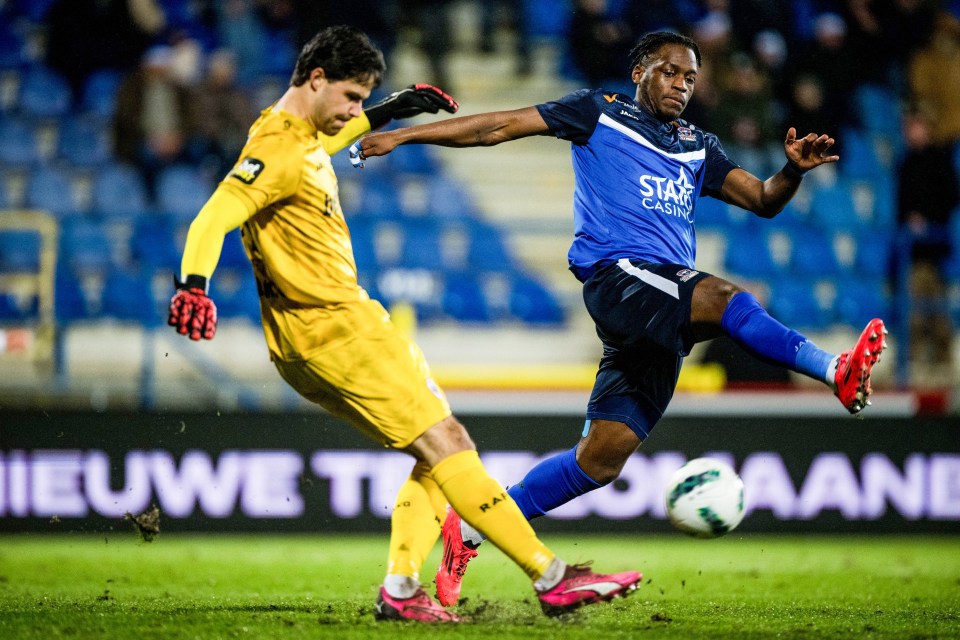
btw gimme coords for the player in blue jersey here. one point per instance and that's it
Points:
(639, 172)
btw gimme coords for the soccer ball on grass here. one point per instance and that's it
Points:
(705, 498)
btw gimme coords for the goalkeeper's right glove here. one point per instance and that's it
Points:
(192, 312)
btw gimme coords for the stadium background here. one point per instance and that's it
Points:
(467, 247)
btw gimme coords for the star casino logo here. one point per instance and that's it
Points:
(668, 197)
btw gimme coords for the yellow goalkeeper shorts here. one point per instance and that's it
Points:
(378, 379)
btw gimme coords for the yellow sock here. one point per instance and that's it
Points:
(415, 523)
(488, 508)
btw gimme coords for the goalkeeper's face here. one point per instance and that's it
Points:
(336, 103)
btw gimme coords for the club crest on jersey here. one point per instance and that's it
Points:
(247, 171)
(685, 134)
(686, 274)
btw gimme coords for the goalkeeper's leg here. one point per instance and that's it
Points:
(485, 505)
(415, 525)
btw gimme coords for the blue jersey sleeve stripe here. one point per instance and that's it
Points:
(686, 156)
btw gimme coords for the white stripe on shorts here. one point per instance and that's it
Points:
(652, 279)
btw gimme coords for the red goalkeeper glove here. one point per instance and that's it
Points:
(409, 102)
(192, 312)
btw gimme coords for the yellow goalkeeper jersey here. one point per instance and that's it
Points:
(293, 229)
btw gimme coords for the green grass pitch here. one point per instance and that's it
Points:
(216, 586)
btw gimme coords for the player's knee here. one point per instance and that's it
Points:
(603, 468)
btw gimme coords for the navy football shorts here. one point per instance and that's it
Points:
(642, 314)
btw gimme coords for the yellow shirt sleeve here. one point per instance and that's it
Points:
(222, 213)
(345, 137)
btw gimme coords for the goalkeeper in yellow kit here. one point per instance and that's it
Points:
(335, 345)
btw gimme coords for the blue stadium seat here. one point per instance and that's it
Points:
(421, 243)
(53, 189)
(85, 142)
(421, 288)
(879, 110)
(153, 244)
(85, 246)
(748, 255)
(860, 159)
(414, 159)
(233, 255)
(449, 198)
(812, 253)
(794, 302)
(378, 199)
(860, 299)
(19, 147)
(548, 19)
(19, 251)
(712, 213)
(463, 298)
(533, 303)
(127, 296)
(119, 188)
(70, 303)
(488, 248)
(234, 289)
(44, 93)
(13, 52)
(361, 236)
(100, 93)
(833, 207)
(182, 191)
(873, 257)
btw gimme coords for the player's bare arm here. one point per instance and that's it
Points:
(767, 198)
(481, 130)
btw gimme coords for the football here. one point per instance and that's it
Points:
(705, 498)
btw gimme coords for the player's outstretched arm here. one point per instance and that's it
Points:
(480, 130)
(767, 198)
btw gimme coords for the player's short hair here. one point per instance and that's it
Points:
(344, 53)
(650, 44)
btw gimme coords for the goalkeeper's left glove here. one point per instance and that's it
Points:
(192, 312)
(409, 102)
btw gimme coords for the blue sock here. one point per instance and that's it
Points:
(553, 482)
(753, 328)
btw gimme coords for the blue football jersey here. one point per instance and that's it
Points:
(637, 180)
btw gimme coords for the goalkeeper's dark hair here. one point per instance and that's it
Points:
(344, 53)
(650, 44)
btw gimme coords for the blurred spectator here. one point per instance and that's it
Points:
(744, 118)
(84, 36)
(934, 75)
(809, 110)
(883, 35)
(928, 194)
(770, 52)
(222, 113)
(152, 124)
(829, 57)
(751, 17)
(511, 14)
(599, 43)
(431, 21)
(644, 16)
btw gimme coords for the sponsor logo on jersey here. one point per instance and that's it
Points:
(247, 171)
(628, 115)
(686, 274)
(624, 102)
(668, 197)
(685, 134)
